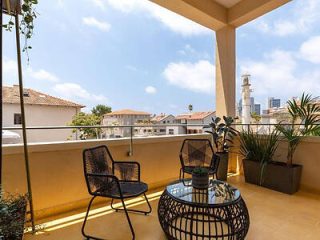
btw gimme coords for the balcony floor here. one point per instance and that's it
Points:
(273, 215)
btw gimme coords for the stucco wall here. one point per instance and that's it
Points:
(57, 171)
(37, 115)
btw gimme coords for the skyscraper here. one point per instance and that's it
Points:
(274, 102)
(254, 107)
(257, 109)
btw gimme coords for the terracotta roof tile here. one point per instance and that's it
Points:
(11, 96)
(127, 112)
(159, 118)
(194, 115)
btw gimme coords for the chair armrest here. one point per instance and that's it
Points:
(127, 170)
(100, 182)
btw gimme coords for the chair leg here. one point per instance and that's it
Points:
(85, 221)
(133, 210)
(128, 218)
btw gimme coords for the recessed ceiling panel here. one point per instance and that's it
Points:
(227, 3)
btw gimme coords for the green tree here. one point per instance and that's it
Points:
(100, 110)
(84, 119)
(256, 117)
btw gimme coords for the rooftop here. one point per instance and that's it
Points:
(160, 117)
(194, 115)
(32, 97)
(127, 112)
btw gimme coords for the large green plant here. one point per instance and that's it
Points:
(12, 216)
(303, 122)
(222, 133)
(259, 147)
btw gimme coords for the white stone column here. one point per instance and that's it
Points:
(226, 72)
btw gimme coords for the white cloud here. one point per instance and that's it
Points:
(197, 77)
(150, 90)
(99, 3)
(310, 50)
(278, 74)
(75, 91)
(302, 18)
(171, 20)
(188, 50)
(42, 75)
(11, 73)
(9, 66)
(93, 22)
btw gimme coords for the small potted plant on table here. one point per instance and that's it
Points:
(200, 178)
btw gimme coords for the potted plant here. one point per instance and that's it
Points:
(222, 136)
(258, 151)
(200, 178)
(28, 15)
(12, 216)
(304, 116)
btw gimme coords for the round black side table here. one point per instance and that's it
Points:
(218, 212)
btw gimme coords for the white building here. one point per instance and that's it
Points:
(41, 110)
(123, 117)
(199, 118)
(164, 128)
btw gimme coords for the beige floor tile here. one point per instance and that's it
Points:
(273, 216)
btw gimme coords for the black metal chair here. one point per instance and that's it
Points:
(198, 153)
(116, 180)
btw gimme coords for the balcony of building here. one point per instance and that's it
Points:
(60, 195)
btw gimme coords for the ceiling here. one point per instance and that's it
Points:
(227, 3)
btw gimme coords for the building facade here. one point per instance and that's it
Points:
(41, 110)
(196, 118)
(125, 117)
(274, 102)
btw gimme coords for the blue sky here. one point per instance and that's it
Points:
(135, 54)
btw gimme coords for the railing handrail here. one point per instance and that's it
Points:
(142, 125)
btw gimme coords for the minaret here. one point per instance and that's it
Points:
(246, 104)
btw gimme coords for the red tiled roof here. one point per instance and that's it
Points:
(11, 95)
(159, 118)
(194, 115)
(127, 112)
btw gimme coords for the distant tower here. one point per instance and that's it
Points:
(246, 100)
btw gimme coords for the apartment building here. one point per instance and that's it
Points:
(41, 110)
(125, 117)
(197, 118)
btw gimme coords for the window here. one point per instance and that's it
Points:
(171, 131)
(162, 130)
(17, 118)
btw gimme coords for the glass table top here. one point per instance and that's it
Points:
(218, 193)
